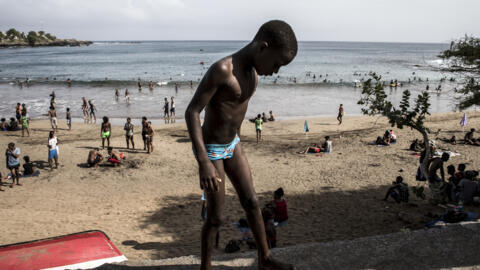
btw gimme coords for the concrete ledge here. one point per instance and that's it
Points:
(453, 246)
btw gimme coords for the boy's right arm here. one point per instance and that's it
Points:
(207, 88)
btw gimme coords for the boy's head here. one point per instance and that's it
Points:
(26, 158)
(472, 130)
(399, 180)
(129, 119)
(259, 116)
(451, 169)
(461, 167)
(144, 119)
(3, 120)
(445, 157)
(109, 149)
(11, 146)
(276, 46)
(68, 109)
(51, 134)
(278, 194)
(327, 138)
(105, 119)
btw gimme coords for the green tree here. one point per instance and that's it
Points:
(41, 33)
(32, 38)
(2, 35)
(374, 101)
(12, 33)
(50, 37)
(464, 57)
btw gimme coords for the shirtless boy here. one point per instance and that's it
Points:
(129, 133)
(341, 112)
(53, 118)
(224, 93)
(149, 137)
(94, 157)
(105, 131)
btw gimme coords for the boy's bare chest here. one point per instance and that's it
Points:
(239, 90)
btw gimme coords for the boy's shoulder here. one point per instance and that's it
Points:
(221, 69)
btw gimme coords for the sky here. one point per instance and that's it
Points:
(320, 20)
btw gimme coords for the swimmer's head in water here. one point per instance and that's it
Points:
(276, 46)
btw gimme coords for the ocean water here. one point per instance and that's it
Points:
(98, 69)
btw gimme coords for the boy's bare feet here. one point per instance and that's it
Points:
(18, 184)
(272, 264)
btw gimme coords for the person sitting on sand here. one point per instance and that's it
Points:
(115, 157)
(327, 145)
(3, 124)
(311, 149)
(13, 125)
(416, 146)
(272, 117)
(105, 132)
(380, 141)
(468, 188)
(452, 184)
(280, 208)
(264, 117)
(453, 140)
(398, 191)
(27, 166)
(469, 138)
(94, 157)
(460, 174)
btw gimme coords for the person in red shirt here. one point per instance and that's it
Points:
(280, 208)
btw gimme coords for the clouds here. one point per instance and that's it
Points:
(353, 20)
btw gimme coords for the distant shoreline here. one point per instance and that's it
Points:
(50, 43)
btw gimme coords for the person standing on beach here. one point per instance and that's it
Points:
(53, 100)
(25, 123)
(129, 133)
(18, 112)
(258, 127)
(224, 93)
(105, 132)
(69, 119)
(52, 150)
(117, 95)
(139, 83)
(341, 112)
(149, 137)
(24, 110)
(53, 118)
(172, 109)
(166, 115)
(144, 132)
(150, 85)
(12, 155)
(92, 112)
(85, 110)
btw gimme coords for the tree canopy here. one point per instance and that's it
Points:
(464, 56)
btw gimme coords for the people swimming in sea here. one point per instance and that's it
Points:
(127, 97)
(105, 132)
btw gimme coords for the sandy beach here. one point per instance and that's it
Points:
(150, 206)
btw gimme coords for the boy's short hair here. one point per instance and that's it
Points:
(68, 109)
(144, 118)
(327, 138)
(259, 115)
(26, 158)
(461, 167)
(278, 34)
(105, 119)
(399, 179)
(11, 144)
(109, 148)
(279, 192)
